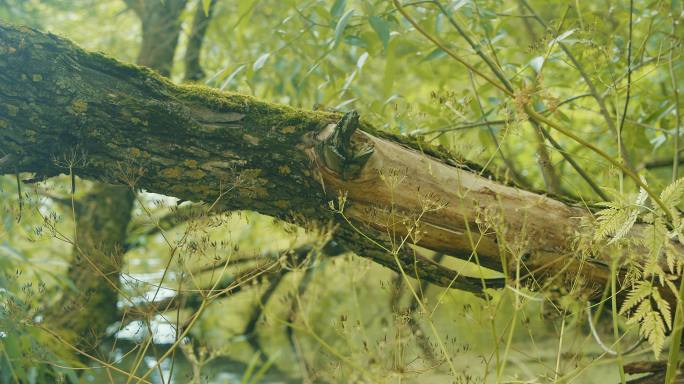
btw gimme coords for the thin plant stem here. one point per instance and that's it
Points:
(629, 89)
(675, 340)
(585, 75)
(678, 325)
(678, 116)
(615, 316)
(448, 51)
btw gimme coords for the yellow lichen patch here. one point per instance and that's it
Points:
(250, 139)
(261, 192)
(190, 163)
(284, 169)
(202, 189)
(135, 152)
(289, 129)
(173, 172)
(12, 110)
(135, 120)
(37, 77)
(4, 49)
(79, 106)
(214, 165)
(195, 173)
(251, 173)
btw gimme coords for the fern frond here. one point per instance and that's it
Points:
(663, 308)
(653, 330)
(672, 194)
(641, 291)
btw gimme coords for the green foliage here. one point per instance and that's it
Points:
(654, 251)
(363, 55)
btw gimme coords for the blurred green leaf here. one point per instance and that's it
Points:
(206, 4)
(435, 54)
(259, 63)
(232, 76)
(381, 27)
(338, 8)
(341, 26)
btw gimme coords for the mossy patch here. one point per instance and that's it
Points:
(171, 173)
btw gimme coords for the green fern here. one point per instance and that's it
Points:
(618, 218)
(653, 322)
(672, 194)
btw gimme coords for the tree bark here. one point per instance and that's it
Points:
(236, 152)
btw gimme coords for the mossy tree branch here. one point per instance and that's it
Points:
(131, 126)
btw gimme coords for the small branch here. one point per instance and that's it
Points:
(576, 166)
(551, 180)
(661, 163)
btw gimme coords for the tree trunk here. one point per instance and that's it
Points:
(236, 152)
(103, 214)
(89, 308)
(200, 24)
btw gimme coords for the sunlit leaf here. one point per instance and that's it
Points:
(232, 76)
(561, 37)
(260, 61)
(537, 63)
(362, 60)
(206, 4)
